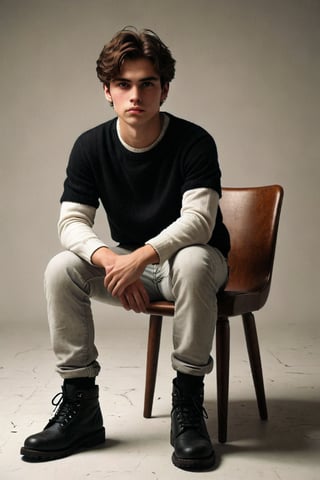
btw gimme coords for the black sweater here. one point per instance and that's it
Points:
(142, 192)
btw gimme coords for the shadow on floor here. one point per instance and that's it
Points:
(293, 425)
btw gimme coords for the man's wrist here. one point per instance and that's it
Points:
(147, 255)
(102, 256)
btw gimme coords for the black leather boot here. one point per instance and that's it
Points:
(189, 436)
(76, 425)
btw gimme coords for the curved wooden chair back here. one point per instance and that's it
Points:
(252, 218)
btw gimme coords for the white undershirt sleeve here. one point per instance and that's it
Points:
(75, 229)
(194, 226)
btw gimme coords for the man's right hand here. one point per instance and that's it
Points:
(132, 293)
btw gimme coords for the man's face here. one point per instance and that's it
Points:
(136, 93)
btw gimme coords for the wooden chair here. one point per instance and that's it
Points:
(252, 218)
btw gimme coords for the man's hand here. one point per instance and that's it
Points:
(123, 274)
(135, 297)
(125, 270)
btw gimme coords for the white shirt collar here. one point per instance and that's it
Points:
(166, 121)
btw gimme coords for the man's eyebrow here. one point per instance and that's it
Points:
(146, 79)
(149, 79)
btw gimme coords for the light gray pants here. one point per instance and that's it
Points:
(192, 278)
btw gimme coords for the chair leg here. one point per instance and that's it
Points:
(155, 324)
(250, 330)
(223, 358)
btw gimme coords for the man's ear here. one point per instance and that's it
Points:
(107, 93)
(164, 93)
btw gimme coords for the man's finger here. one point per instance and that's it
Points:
(123, 299)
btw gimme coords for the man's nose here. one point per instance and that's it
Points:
(135, 94)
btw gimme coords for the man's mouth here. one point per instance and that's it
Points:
(135, 110)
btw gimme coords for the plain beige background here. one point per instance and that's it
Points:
(247, 70)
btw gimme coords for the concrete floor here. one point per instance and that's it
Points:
(286, 447)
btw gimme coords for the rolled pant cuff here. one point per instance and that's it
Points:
(91, 370)
(190, 369)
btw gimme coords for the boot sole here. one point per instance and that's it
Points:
(194, 464)
(91, 440)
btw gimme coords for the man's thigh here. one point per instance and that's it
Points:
(194, 265)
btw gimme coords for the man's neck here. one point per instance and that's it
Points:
(143, 135)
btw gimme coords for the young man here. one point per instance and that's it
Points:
(158, 180)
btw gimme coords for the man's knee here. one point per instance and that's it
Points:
(192, 261)
(56, 273)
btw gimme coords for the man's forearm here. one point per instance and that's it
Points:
(146, 255)
(195, 225)
(143, 256)
(75, 229)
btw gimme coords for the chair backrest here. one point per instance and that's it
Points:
(252, 218)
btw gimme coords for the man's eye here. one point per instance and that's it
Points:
(147, 84)
(123, 84)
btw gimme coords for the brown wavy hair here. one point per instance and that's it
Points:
(131, 44)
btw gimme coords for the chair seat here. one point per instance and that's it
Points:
(162, 308)
(234, 303)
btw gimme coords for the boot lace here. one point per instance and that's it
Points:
(189, 414)
(65, 409)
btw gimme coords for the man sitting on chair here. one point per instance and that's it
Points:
(158, 179)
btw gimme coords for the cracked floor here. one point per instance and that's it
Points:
(286, 447)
